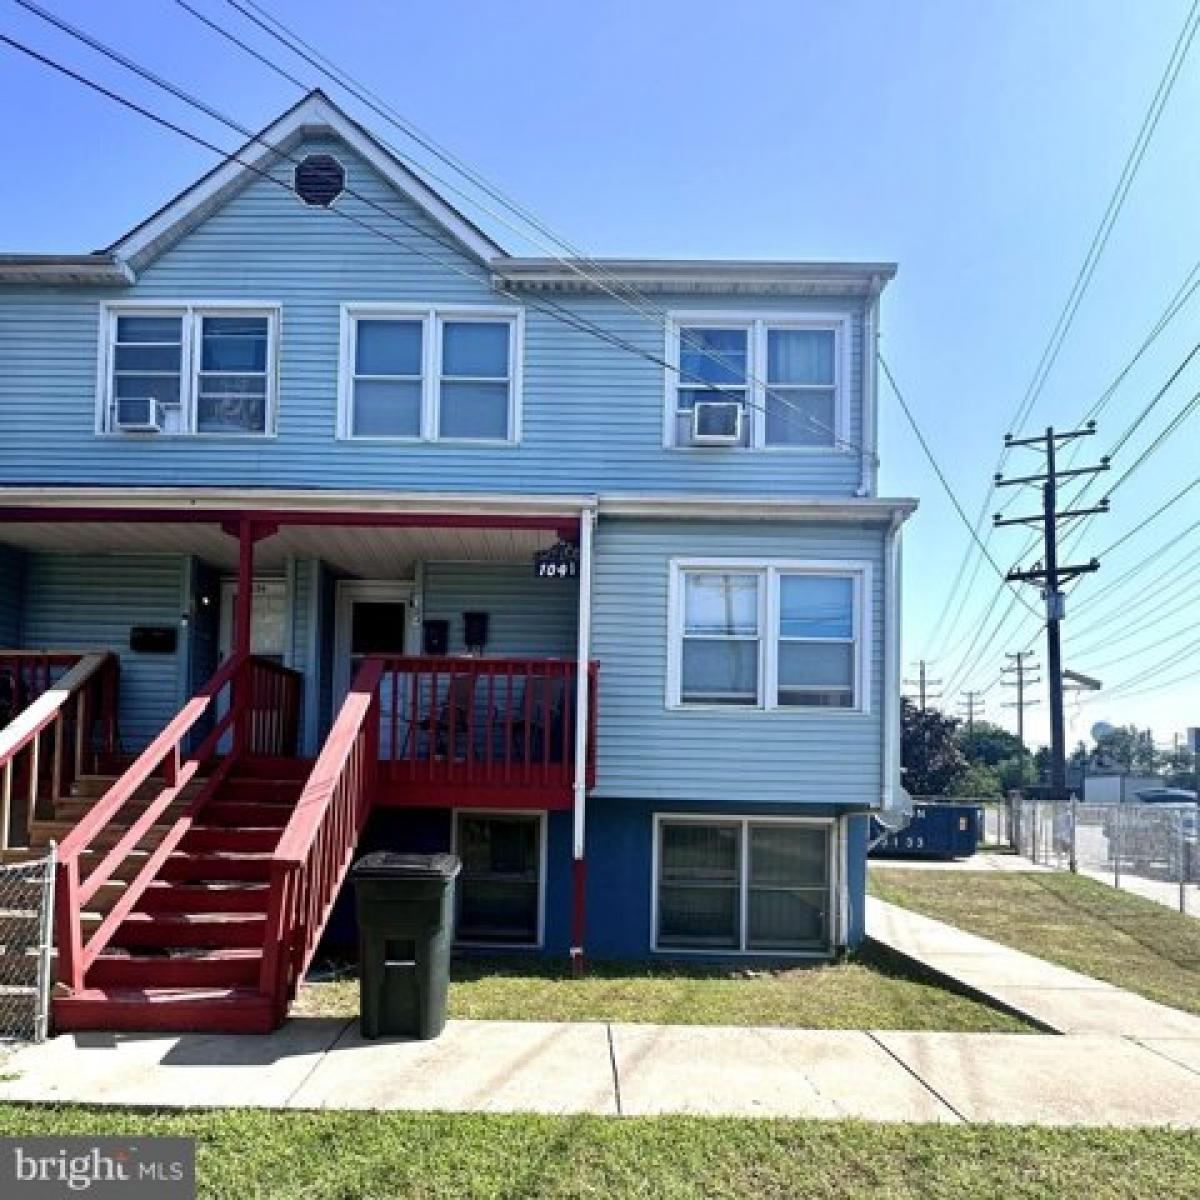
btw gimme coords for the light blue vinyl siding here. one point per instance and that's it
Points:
(592, 413)
(86, 601)
(737, 755)
(11, 572)
(529, 617)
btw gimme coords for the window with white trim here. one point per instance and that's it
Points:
(430, 374)
(189, 370)
(743, 885)
(775, 635)
(786, 373)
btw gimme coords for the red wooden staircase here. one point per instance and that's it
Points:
(204, 912)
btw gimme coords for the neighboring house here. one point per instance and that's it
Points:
(582, 563)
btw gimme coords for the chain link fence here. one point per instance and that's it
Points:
(1150, 849)
(26, 934)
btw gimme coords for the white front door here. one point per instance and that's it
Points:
(268, 629)
(374, 618)
(268, 618)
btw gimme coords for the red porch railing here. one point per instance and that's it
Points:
(454, 725)
(240, 681)
(26, 674)
(314, 853)
(57, 736)
(272, 712)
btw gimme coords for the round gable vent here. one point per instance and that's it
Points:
(320, 180)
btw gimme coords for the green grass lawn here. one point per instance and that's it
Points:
(246, 1155)
(1066, 919)
(855, 994)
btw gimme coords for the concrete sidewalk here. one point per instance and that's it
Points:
(981, 860)
(627, 1070)
(1050, 996)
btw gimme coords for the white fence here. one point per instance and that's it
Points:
(1150, 849)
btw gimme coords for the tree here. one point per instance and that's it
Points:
(933, 760)
(1126, 747)
(989, 744)
(980, 780)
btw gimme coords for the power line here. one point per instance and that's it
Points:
(1087, 268)
(933, 462)
(1158, 512)
(549, 307)
(1051, 574)
(595, 273)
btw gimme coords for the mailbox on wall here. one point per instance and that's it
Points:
(153, 639)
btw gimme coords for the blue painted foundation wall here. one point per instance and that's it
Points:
(619, 865)
(620, 835)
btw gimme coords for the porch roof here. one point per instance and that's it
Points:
(361, 534)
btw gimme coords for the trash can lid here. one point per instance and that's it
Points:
(383, 864)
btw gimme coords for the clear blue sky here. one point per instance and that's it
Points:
(975, 144)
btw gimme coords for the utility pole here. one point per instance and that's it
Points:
(1050, 574)
(1017, 674)
(972, 705)
(923, 683)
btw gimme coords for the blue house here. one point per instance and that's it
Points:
(326, 524)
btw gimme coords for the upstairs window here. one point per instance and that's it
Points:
(189, 371)
(786, 374)
(388, 357)
(775, 635)
(430, 374)
(714, 364)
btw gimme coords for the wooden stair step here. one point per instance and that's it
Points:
(169, 931)
(204, 897)
(274, 791)
(225, 967)
(95, 787)
(42, 832)
(179, 1010)
(198, 867)
(237, 814)
(215, 839)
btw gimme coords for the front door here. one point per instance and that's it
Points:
(373, 619)
(268, 628)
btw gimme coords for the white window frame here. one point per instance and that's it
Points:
(769, 571)
(539, 815)
(432, 318)
(758, 325)
(191, 314)
(834, 882)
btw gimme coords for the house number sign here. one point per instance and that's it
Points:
(559, 562)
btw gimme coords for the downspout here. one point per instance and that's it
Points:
(894, 802)
(869, 458)
(587, 525)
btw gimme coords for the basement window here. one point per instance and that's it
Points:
(743, 885)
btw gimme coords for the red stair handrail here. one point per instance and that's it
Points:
(313, 855)
(165, 754)
(69, 710)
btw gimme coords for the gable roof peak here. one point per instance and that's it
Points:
(315, 113)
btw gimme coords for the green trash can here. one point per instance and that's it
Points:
(405, 923)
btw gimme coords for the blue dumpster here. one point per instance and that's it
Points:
(935, 831)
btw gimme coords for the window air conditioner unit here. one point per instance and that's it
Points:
(139, 414)
(717, 423)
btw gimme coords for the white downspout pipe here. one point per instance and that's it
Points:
(890, 792)
(587, 525)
